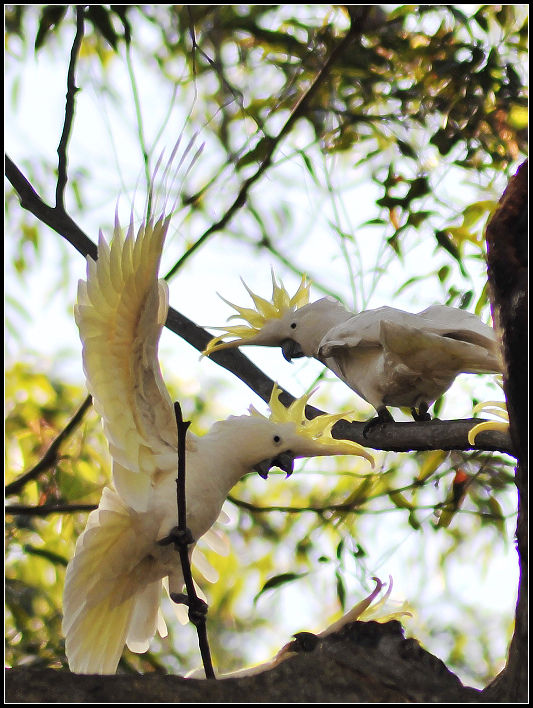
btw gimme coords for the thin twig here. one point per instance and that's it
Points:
(62, 177)
(198, 619)
(183, 426)
(51, 456)
(298, 112)
(46, 509)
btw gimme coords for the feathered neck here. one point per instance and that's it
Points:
(226, 448)
(316, 319)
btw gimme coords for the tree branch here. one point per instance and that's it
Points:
(182, 539)
(62, 176)
(51, 456)
(433, 434)
(55, 218)
(443, 435)
(46, 509)
(193, 601)
(507, 259)
(363, 662)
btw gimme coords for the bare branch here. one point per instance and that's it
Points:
(425, 435)
(444, 435)
(507, 238)
(51, 456)
(56, 218)
(62, 177)
(182, 539)
(46, 509)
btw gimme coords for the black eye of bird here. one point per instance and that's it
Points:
(277, 439)
(293, 325)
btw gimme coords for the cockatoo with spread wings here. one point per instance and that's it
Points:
(113, 583)
(387, 356)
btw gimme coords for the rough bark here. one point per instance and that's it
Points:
(507, 244)
(365, 662)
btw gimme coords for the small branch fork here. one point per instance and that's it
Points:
(182, 538)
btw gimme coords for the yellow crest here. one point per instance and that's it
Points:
(317, 430)
(265, 310)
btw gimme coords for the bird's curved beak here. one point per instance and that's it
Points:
(291, 349)
(285, 461)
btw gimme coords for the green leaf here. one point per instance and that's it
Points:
(400, 501)
(277, 581)
(406, 149)
(51, 17)
(432, 460)
(341, 588)
(496, 515)
(309, 165)
(99, 17)
(257, 154)
(445, 242)
(416, 218)
(480, 18)
(413, 522)
(419, 188)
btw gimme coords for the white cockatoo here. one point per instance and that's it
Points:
(387, 356)
(113, 583)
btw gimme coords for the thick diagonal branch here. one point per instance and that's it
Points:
(411, 438)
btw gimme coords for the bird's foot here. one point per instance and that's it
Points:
(422, 413)
(197, 607)
(180, 539)
(383, 416)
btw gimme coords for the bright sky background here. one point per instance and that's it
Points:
(105, 142)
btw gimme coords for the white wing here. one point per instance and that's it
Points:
(120, 313)
(392, 357)
(432, 354)
(107, 600)
(458, 324)
(365, 328)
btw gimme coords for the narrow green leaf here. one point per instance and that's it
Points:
(277, 581)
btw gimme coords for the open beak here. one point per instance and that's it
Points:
(285, 461)
(291, 349)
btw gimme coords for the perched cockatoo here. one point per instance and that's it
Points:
(387, 356)
(113, 583)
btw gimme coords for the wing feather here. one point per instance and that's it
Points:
(120, 313)
(110, 591)
(146, 619)
(365, 328)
